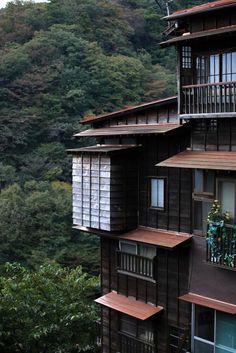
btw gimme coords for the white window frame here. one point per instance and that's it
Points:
(196, 338)
(158, 207)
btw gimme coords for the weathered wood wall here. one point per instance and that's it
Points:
(151, 116)
(177, 213)
(172, 281)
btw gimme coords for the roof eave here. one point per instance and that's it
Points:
(137, 108)
(193, 13)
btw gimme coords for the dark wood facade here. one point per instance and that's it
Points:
(172, 191)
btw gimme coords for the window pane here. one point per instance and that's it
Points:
(154, 192)
(206, 207)
(223, 350)
(204, 323)
(157, 193)
(145, 332)
(128, 325)
(128, 247)
(198, 180)
(209, 182)
(198, 215)
(147, 251)
(203, 347)
(227, 196)
(225, 331)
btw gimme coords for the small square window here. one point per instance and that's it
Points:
(157, 193)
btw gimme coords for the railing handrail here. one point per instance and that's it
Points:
(136, 255)
(136, 339)
(209, 84)
(221, 246)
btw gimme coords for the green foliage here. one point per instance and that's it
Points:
(60, 60)
(50, 310)
(36, 227)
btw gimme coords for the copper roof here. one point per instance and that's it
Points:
(196, 35)
(130, 130)
(209, 303)
(129, 109)
(128, 306)
(158, 237)
(209, 6)
(217, 160)
(102, 149)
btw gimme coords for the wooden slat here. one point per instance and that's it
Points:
(157, 237)
(130, 109)
(217, 160)
(130, 130)
(209, 303)
(102, 149)
(128, 306)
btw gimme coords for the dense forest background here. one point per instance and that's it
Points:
(58, 62)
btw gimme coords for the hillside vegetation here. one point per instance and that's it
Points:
(59, 61)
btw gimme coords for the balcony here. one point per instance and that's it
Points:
(130, 344)
(136, 265)
(221, 245)
(209, 100)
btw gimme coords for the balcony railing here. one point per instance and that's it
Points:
(209, 98)
(221, 245)
(136, 265)
(134, 345)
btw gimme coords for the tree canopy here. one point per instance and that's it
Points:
(51, 310)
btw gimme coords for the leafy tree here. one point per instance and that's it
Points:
(51, 310)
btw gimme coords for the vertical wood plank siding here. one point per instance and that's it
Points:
(177, 213)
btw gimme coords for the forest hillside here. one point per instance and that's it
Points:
(59, 61)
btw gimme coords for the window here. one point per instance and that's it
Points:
(203, 196)
(136, 259)
(186, 57)
(212, 331)
(138, 249)
(226, 189)
(157, 193)
(216, 68)
(137, 329)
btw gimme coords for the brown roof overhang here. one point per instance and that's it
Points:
(197, 35)
(130, 109)
(216, 160)
(109, 149)
(209, 303)
(207, 7)
(158, 237)
(128, 306)
(129, 130)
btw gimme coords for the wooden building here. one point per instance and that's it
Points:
(168, 277)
